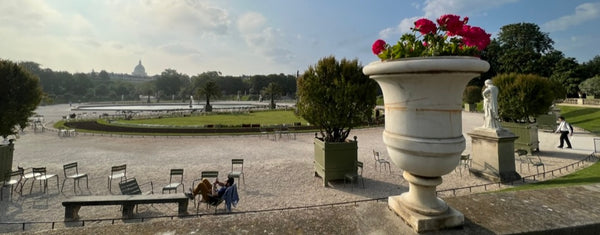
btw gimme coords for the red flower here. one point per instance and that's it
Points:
(425, 26)
(378, 46)
(475, 36)
(452, 24)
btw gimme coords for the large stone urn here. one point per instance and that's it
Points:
(423, 130)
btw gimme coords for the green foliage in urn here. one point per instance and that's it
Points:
(522, 97)
(20, 94)
(472, 95)
(336, 96)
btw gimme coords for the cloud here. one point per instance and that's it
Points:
(267, 41)
(27, 15)
(152, 18)
(433, 9)
(403, 27)
(584, 12)
(436, 8)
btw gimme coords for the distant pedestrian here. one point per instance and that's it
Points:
(565, 130)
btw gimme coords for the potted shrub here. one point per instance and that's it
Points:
(521, 98)
(471, 96)
(20, 94)
(335, 96)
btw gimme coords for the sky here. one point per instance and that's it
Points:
(243, 37)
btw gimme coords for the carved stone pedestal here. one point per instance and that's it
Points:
(493, 154)
(420, 222)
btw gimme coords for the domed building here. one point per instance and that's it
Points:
(139, 70)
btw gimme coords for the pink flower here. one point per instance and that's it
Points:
(452, 24)
(475, 36)
(425, 26)
(378, 46)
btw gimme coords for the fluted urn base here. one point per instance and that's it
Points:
(421, 208)
(422, 223)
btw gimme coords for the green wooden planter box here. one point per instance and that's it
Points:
(470, 107)
(6, 160)
(527, 133)
(547, 122)
(333, 159)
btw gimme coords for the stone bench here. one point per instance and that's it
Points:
(72, 205)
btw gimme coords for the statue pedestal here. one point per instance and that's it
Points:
(493, 154)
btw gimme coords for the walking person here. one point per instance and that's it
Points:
(565, 130)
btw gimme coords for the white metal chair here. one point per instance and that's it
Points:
(465, 162)
(354, 176)
(41, 175)
(71, 171)
(13, 179)
(173, 185)
(379, 161)
(119, 171)
(240, 172)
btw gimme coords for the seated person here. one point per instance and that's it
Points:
(206, 190)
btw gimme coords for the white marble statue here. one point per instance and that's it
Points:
(490, 106)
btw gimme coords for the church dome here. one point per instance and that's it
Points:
(139, 70)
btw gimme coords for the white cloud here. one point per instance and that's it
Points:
(436, 8)
(265, 40)
(27, 15)
(403, 27)
(584, 12)
(251, 22)
(153, 17)
(433, 9)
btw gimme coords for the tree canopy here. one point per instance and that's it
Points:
(522, 97)
(336, 96)
(208, 90)
(20, 94)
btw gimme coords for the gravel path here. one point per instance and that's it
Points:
(278, 174)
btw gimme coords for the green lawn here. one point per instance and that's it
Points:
(583, 117)
(228, 119)
(588, 119)
(589, 175)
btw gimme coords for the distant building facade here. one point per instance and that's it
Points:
(139, 70)
(139, 74)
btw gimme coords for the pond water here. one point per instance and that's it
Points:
(165, 107)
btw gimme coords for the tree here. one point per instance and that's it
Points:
(520, 48)
(472, 95)
(20, 94)
(170, 82)
(209, 90)
(591, 68)
(272, 91)
(103, 75)
(336, 96)
(591, 86)
(566, 72)
(522, 97)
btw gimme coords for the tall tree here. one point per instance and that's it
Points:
(170, 82)
(273, 91)
(566, 73)
(520, 49)
(20, 94)
(209, 90)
